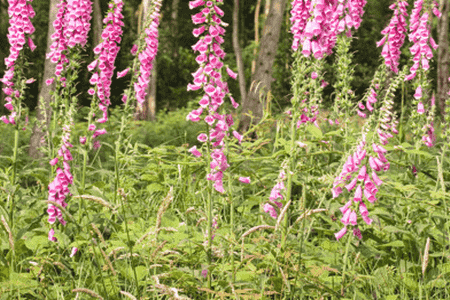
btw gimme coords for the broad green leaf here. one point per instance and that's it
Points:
(155, 187)
(36, 242)
(394, 244)
(244, 276)
(19, 281)
(316, 132)
(418, 152)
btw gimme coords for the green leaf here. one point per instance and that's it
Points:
(99, 184)
(419, 152)
(19, 281)
(36, 242)
(316, 132)
(155, 187)
(244, 276)
(333, 133)
(149, 177)
(395, 244)
(141, 272)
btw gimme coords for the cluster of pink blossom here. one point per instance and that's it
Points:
(72, 26)
(371, 99)
(214, 226)
(107, 52)
(394, 36)
(147, 56)
(316, 23)
(59, 187)
(209, 78)
(309, 114)
(276, 194)
(428, 129)
(20, 12)
(355, 173)
(420, 35)
(429, 137)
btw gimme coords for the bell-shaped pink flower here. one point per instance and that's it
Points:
(358, 194)
(420, 108)
(418, 93)
(244, 180)
(341, 233)
(195, 152)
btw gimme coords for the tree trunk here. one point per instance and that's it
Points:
(2, 99)
(255, 51)
(443, 85)
(266, 9)
(174, 15)
(97, 27)
(238, 52)
(152, 93)
(262, 78)
(44, 93)
(148, 110)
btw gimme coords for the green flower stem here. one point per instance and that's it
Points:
(130, 245)
(11, 198)
(117, 184)
(100, 269)
(440, 164)
(209, 208)
(347, 248)
(82, 203)
(14, 175)
(289, 174)
(233, 238)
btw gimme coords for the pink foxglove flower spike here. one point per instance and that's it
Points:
(209, 78)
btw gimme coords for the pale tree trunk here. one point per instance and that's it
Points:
(443, 85)
(262, 78)
(2, 99)
(266, 9)
(148, 110)
(255, 51)
(238, 52)
(97, 27)
(44, 93)
(152, 94)
(174, 15)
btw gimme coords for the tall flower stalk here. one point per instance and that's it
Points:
(103, 67)
(209, 77)
(146, 50)
(359, 175)
(394, 35)
(71, 31)
(316, 26)
(422, 50)
(19, 36)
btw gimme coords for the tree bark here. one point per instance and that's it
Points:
(174, 15)
(443, 85)
(262, 78)
(44, 93)
(266, 8)
(255, 51)
(97, 27)
(238, 52)
(2, 99)
(148, 110)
